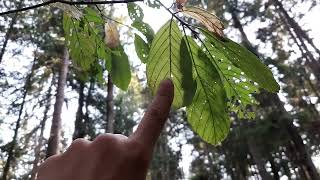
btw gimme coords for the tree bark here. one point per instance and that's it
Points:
(109, 107)
(297, 29)
(40, 140)
(79, 126)
(55, 132)
(13, 144)
(311, 61)
(8, 33)
(304, 157)
(302, 154)
(258, 159)
(275, 168)
(89, 126)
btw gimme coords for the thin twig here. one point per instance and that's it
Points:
(111, 19)
(174, 14)
(66, 2)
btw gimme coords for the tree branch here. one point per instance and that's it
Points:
(66, 2)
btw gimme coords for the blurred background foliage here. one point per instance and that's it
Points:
(282, 142)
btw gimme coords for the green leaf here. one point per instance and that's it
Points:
(135, 12)
(207, 114)
(153, 4)
(243, 59)
(164, 61)
(238, 85)
(103, 54)
(92, 16)
(120, 72)
(145, 29)
(87, 49)
(142, 48)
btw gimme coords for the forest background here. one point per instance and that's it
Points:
(282, 142)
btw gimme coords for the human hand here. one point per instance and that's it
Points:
(113, 156)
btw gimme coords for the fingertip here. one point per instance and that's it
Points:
(166, 88)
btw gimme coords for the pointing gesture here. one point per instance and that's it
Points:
(154, 119)
(111, 156)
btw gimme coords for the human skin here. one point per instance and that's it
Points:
(113, 156)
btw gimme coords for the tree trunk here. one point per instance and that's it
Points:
(275, 169)
(295, 26)
(8, 33)
(311, 61)
(110, 104)
(89, 126)
(55, 132)
(258, 159)
(79, 126)
(302, 154)
(13, 144)
(296, 138)
(298, 34)
(40, 140)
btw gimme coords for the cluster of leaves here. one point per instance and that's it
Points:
(88, 51)
(212, 75)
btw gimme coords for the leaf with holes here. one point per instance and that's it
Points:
(145, 29)
(142, 48)
(207, 113)
(164, 61)
(135, 12)
(210, 21)
(239, 87)
(243, 59)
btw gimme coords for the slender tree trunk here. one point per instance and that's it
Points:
(297, 29)
(311, 61)
(13, 144)
(55, 132)
(258, 159)
(300, 37)
(302, 154)
(110, 104)
(9, 32)
(237, 24)
(40, 140)
(88, 126)
(79, 126)
(305, 158)
(275, 169)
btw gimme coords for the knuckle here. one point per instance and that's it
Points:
(104, 141)
(103, 138)
(79, 143)
(76, 147)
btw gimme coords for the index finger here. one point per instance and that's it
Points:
(154, 119)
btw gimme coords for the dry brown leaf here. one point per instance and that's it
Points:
(112, 37)
(181, 3)
(210, 21)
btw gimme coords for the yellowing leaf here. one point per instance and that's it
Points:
(210, 21)
(112, 37)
